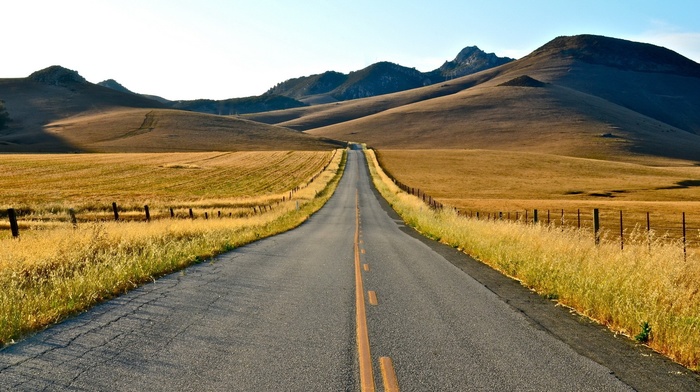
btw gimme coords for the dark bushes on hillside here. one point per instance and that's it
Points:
(4, 115)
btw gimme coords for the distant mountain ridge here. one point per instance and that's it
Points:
(383, 78)
(236, 106)
(376, 79)
(233, 106)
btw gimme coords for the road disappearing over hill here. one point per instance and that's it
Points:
(348, 301)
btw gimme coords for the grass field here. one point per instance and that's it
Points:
(43, 187)
(647, 285)
(54, 270)
(508, 182)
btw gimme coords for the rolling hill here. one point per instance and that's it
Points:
(586, 96)
(57, 110)
(167, 130)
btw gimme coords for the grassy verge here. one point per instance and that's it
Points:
(47, 275)
(646, 291)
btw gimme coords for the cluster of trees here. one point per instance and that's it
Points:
(4, 116)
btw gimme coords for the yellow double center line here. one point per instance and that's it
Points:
(366, 374)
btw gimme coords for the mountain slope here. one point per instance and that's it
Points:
(56, 110)
(231, 106)
(235, 106)
(598, 97)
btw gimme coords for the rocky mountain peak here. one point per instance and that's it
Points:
(57, 75)
(468, 61)
(114, 85)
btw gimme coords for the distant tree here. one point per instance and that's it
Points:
(4, 116)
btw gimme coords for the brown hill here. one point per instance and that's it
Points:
(161, 130)
(56, 110)
(585, 96)
(317, 116)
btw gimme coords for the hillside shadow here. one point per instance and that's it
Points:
(14, 140)
(685, 184)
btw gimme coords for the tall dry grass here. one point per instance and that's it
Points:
(648, 282)
(47, 275)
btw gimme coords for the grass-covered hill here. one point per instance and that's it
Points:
(57, 110)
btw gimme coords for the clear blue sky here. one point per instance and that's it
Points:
(182, 49)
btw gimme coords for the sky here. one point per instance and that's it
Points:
(216, 49)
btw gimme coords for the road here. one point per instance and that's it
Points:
(349, 301)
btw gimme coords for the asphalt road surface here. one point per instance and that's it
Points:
(351, 300)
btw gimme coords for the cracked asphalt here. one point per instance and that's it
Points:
(279, 315)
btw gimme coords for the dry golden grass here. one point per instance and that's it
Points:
(508, 182)
(646, 283)
(43, 187)
(48, 274)
(162, 130)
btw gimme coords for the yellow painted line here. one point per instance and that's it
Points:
(391, 383)
(372, 298)
(366, 267)
(365, 358)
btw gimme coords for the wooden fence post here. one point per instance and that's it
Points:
(622, 234)
(648, 232)
(562, 219)
(116, 211)
(578, 216)
(148, 213)
(596, 225)
(14, 227)
(206, 215)
(685, 254)
(191, 214)
(73, 219)
(172, 213)
(534, 216)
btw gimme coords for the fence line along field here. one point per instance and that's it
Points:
(42, 188)
(509, 182)
(54, 268)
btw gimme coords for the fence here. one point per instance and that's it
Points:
(603, 224)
